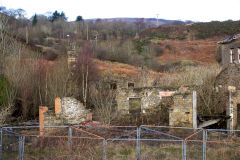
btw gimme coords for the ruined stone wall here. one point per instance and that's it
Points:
(232, 110)
(73, 111)
(67, 111)
(181, 112)
(225, 52)
(150, 97)
(229, 76)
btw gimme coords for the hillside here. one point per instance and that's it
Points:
(197, 51)
(191, 43)
(199, 30)
(122, 70)
(148, 21)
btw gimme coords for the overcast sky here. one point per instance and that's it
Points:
(197, 10)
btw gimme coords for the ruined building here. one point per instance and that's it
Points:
(229, 50)
(67, 110)
(228, 79)
(132, 98)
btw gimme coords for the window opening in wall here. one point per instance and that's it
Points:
(113, 85)
(238, 116)
(135, 105)
(130, 84)
(231, 56)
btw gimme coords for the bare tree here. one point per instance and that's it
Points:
(209, 101)
(3, 33)
(103, 98)
(85, 70)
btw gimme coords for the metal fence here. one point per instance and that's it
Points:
(118, 142)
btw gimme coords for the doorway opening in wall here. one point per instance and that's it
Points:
(134, 106)
(130, 85)
(238, 116)
(113, 86)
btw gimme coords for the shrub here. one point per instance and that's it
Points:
(157, 50)
(4, 85)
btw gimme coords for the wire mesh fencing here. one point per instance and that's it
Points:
(223, 144)
(118, 142)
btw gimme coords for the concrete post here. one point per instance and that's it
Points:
(194, 109)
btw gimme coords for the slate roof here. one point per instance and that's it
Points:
(229, 39)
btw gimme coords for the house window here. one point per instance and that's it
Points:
(231, 56)
(130, 85)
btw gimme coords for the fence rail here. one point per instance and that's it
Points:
(118, 142)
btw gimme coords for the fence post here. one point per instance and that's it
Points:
(23, 141)
(204, 144)
(138, 143)
(70, 137)
(184, 154)
(21, 147)
(104, 149)
(1, 132)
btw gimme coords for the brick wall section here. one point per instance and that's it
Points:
(57, 105)
(181, 112)
(42, 110)
(166, 93)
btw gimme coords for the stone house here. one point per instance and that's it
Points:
(229, 50)
(228, 79)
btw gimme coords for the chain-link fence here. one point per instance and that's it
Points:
(118, 142)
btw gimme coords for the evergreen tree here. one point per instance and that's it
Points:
(79, 18)
(34, 21)
(56, 15)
